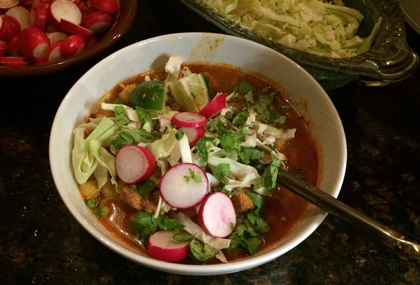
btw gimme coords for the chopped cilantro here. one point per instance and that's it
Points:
(249, 234)
(145, 187)
(243, 87)
(240, 118)
(134, 137)
(221, 172)
(181, 237)
(144, 115)
(195, 177)
(247, 154)
(178, 135)
(144, 224)
(269, 177)
(230, 140)
(201, 146)
(121, 118)
(201, 253)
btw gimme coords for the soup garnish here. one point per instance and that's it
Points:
(183, 162)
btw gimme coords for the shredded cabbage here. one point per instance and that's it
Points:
(314, 26)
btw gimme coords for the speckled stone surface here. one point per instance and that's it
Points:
(41, 243)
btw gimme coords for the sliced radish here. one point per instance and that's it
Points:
(214, 106)
(9, 28)
(188, 120)
(72, 45)
(21, 14)
(38, 15)
(193, 134)
(134, 164)
(6, 4)
(161, 247)
(97, 21)
(217, 215)
(56, 36)
(91, 42)
(64, 9)
(75, 29)
(3, 47)
(33, 42)
(13, 48)
(110, 6)
(180, 189)
(13, 61)
(54, 52)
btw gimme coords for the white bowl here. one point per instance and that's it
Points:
(299, 87)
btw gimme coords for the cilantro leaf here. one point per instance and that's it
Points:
(144, 224)
(121, 118)
(201, 253)
(221, 172)
(243, 87)
(145, 187)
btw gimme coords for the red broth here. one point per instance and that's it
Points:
(284, 210)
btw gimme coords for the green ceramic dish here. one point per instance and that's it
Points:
(389, 60)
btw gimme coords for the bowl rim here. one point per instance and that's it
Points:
(197, 270)
(119, 28)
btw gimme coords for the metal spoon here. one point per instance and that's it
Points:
(357, 219)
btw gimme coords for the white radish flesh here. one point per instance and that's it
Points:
(189, 120)
(97, 21)
(21, 14)
(6, 4)
(193, 134)
(134, 164)
(64, 9)
(184, 186)
(161, 247)
(217, 215)
(212, 108)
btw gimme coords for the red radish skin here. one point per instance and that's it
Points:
(97, 21)
(180, 193)
(21, 14)
(13, 61)
(38, 15)
(161, 247)
(134, 164)
(9, 28)
(217, 215)
(72, 45)
(13, 48)
(188, 120)
(75, 29)
(193, 134)
(3, 47)
(110, 6)
(216, 105)
(33, 42)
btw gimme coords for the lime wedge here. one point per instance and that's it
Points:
(190, 92)
(149, 95)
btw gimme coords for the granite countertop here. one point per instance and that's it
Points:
(41, 242)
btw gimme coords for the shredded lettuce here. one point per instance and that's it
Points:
(314, 26)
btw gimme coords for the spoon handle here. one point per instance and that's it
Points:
(355, 218)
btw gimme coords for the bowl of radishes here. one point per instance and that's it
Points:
(171, 158)
(43, 36)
